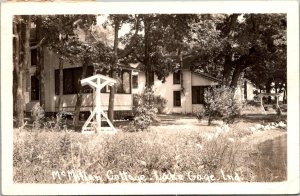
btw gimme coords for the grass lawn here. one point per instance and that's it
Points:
(181, 151)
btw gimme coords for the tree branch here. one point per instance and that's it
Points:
(129, 49)
(39, 44)
(138, 58)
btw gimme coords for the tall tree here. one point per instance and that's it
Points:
(117, 21)
(237, 43)
(18, 69)
(21, 51)
(40, 61)
(161, 44)
(67, 38)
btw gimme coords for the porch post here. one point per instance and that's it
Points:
(98, 105)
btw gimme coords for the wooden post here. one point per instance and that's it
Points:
(95, 83)
(98, 105)
(261, 104)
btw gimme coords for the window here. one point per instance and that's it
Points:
(176, 98)
(72, 77)
(198, 94)
(123, 84)
(135, 81)
(35, 88)
(126, 81)
(177, 77)
(71, 80)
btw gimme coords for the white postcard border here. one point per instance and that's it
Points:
(289, 7)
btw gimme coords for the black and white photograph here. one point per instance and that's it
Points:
(146, 98)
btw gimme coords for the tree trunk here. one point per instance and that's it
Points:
(285, 94)
(42, 77)
(236, 76)
(276, 90)
(40, 63)
(27, 53)
(79, 95)
(18, 70)
(15, 86)
(245, 91)
(209, 120)
(148, 68)
(61, 84)
(227, 70)
(21, 64)
(20, 107)
(16, 57)
(227, 66)
(268, 90)
(113, 73)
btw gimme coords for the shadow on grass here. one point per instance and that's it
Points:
(270, 160)
(262, 118)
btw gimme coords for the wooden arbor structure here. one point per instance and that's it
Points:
(97, 82)
(262, 95)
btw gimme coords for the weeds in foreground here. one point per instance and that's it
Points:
(49, 157)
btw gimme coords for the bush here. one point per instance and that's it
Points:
(61, 120)
(145, 111)
(159, 103)
(200, 113)
(37, 114)
(220, 103)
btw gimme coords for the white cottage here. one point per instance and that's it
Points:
(71, 78)
(183, 89)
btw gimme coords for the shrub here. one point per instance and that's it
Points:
(61, 120)
(160, 103)
(37, 114)
(200, 113)
(65, 145)
(145, 112)
(220, 103)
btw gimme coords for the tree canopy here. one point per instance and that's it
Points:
(252, 45)
(227, 46)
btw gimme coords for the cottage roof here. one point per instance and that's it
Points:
(128, 67)
(185, 65)
(207, 76)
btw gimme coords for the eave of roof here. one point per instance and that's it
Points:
(207, 76)
(128, 67)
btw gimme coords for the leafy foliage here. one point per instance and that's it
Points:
(38, 114)
(200, 113)
(61, 120)
(228, 45)
(159, 103)
(75, 37)
(145, 112)
(220, 103)
(159, 46)
(65, 145)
